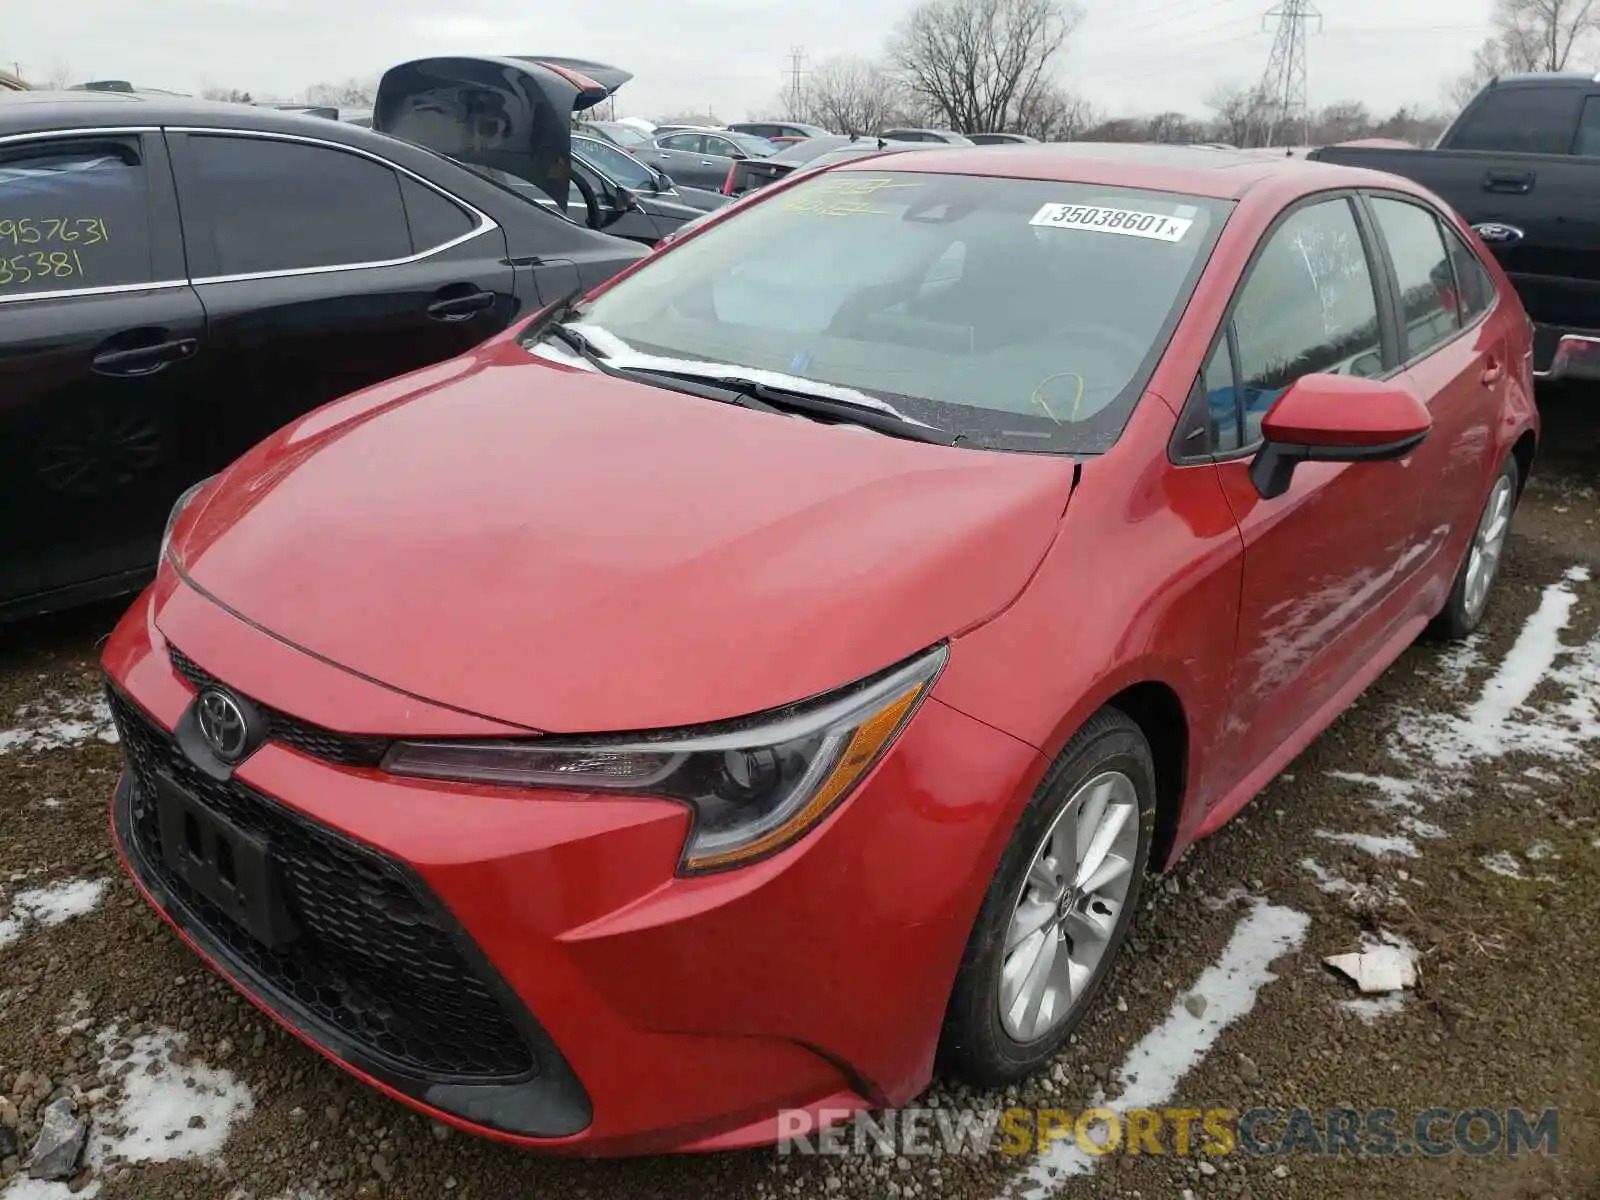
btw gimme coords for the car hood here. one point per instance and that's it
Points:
(570, 552)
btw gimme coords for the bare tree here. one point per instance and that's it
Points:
(1053, 115)
(851, 95)
(1239, 112)
(976, 61)
(1341, 122)
(60, 76)
(1172, 128)
(352, 93)
(232, 95)
(1541, 35)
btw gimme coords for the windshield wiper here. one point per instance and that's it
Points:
(551, 325)
(790, 399)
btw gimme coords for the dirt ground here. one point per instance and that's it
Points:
(1455, 810)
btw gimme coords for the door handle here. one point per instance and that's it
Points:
(1515, 183)
(706, 162)
(143, 360)
(459, 308)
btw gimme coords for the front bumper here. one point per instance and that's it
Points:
(465, 926)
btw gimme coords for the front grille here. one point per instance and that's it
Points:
(378, 961)
(341, 749)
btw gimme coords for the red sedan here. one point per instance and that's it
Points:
(746, 685)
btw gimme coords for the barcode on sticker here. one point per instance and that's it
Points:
(1127, 222)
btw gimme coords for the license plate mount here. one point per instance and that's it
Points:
(231, 868)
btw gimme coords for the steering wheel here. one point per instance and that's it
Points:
(591, 202)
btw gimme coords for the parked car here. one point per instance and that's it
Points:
(638, 146)
(630, 137)
(703, 157)
(948, 136)
(752, 174)
(779, 132)
(1521, 163)
(158, 253)
(1001, 139)
(780, 666)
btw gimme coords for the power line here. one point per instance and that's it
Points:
(795, 73)
(1284, 81)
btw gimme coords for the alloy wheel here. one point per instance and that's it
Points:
(1064, 917)
(1488, 544)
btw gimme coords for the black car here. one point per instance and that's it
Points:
(179, 278)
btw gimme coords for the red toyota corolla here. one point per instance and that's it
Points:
(775, 672)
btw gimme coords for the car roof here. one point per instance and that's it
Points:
(1546, 79)
(1194, 170)
(25, 112)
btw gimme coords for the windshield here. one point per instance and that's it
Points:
(623, 135)
(615, 164)
(1017, 314)
(755, 147)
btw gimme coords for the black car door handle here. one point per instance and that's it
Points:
(459, 308)
(1517, 183)
(143, 360)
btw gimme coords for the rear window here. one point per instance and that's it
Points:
(756, 147)
(1021, 314)
(1521, 120)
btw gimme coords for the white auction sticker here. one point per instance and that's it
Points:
(1127, 222)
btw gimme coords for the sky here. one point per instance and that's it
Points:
(731, 56)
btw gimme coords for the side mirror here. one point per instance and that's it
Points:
(1336, 418)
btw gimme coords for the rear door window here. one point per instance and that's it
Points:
(1427, 282)
(74, 214)
(434, 219)
(270, 205)
(1521, 120)
(1474, 284)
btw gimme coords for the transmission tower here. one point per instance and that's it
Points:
(1283, 86)
(795, 90)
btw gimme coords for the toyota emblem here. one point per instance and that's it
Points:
(223, 725)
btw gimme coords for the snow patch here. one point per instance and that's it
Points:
(1503, 863)
(156, 1118)
(1372, 1009)
(1502, 720)
(56, 721)
(1540, 851)
(51, 906)
(1154, 1067)
(23, 1188)
(1394, 795)
(1458, 662)
(1326, 880)
(1541, 775)
(1378, 847)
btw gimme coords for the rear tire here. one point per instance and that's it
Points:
(1097, 806)
(1480, 566)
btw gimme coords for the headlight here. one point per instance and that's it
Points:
(177, 511)
(754, 786)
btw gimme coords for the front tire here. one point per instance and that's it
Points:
(1469, 596)
(1058, 908)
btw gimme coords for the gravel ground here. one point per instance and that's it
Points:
(1482, 855)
